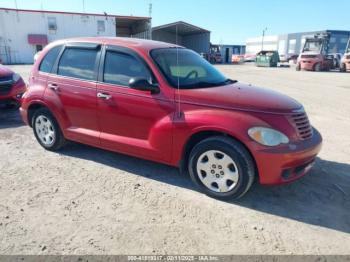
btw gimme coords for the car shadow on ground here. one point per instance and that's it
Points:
(10, 118)
(322, 198)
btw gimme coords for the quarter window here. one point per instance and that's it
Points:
(50, 59)
(78, 63)
(120, 68)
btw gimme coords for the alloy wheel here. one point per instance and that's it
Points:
(45, 130)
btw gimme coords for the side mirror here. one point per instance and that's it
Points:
(143, 84)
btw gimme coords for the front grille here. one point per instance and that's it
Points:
(5, 85)
(308, 56)
(302, 125)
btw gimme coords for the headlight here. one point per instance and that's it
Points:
(15, 77)
(267, 136)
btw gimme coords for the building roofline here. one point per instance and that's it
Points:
(76, 13)
(178, 23)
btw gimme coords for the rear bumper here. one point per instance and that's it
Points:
(15, 93)
(24, 115)
(287, 163)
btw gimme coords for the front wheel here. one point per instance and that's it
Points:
(342, 67)
(222, 168)
(317, 67)
(47, 130)
(298, 67)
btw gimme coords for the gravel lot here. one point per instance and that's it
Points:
(85, 200)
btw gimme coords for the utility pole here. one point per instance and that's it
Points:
(263, 36)
(83, 6)
(17, 11)
(150, 7)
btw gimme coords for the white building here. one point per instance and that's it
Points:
(254, 44)
(25, 32)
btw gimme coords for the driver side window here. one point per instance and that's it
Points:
(120, 67)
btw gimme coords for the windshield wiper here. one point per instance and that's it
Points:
(230, 81)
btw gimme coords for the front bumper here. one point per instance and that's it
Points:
(15, 93)
(287, 163)
(347, 65)
(307, 64)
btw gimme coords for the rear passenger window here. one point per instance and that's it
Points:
(120, 68)
(78, 63)
(49, 60)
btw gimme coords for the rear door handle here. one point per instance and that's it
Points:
(104, 96)
(53, 87)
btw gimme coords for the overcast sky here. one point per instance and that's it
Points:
(230, 21)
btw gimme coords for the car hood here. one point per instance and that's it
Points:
(4, 71)
(241, 96)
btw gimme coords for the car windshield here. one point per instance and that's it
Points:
(313, 46)
(187, 69)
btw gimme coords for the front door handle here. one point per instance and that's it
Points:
(53, 87)
(104, 96)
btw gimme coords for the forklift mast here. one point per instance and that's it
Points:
(323, 38)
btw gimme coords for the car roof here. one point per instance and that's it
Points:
(133, 43)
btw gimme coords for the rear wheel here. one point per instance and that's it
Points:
(47, 130)
(221, 167)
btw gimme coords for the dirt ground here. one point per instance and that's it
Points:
(85, 200)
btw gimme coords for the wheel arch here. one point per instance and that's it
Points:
(31, 110)
(196, 137)
(37, 104)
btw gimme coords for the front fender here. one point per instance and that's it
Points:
(232, 123)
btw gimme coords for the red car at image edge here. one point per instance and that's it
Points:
(165, 103)
(12, 87)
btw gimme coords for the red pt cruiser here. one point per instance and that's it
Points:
(12, 86)
(165, 103)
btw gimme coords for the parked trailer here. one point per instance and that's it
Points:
(314, 56)
(345, 62)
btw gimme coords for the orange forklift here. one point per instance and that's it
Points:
(345, 62)
(215, 54)
(314, 56)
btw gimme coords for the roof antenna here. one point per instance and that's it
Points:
(178, 76)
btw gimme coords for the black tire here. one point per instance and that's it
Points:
(298, 67)
(342, 67)
(317, 67)
(59, 141)
(237, 152)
